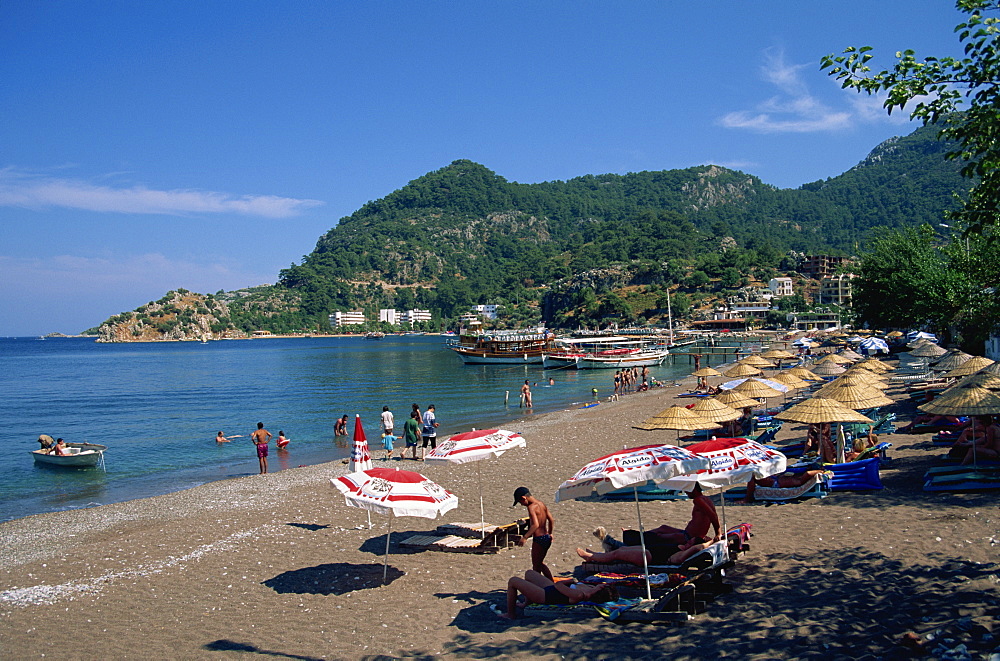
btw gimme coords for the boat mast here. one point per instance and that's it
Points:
(670, 319)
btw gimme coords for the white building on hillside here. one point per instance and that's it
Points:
(352, 318)
(780, 286)
(485, 311)
(389, 316)
(414, 316)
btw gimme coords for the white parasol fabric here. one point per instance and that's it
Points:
(630, 466)
(393, 491)
(780, 387)
(732, 461)
(361, 458)
(475, 445)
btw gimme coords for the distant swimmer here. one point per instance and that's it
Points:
(282, 441)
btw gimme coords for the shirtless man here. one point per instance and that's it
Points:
(789, 481)
(985, 445)
(666, 544)
(539, 529)
(526, 395)
(260, 439)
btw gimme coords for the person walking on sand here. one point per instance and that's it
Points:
(260, 439)
(411, 434)
(429, 431)
(387, 421)
(540, 527)
(526, 395)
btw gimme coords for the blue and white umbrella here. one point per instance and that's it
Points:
(780, 387)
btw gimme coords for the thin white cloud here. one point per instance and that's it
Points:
(20, 189)
(793, 110)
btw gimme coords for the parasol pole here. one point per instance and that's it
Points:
(642, 542)
(385, 563)
(482, 513)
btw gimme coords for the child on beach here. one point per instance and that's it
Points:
(539, 529)
(387, 441)
(411, 434)
(282, 441)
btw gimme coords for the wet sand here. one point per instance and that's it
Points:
(278, 566)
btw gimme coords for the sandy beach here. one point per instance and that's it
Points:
(278, 566)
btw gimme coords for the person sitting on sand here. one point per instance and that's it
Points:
(783, 481)
(539, 590)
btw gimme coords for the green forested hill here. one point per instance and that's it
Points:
(464, 234)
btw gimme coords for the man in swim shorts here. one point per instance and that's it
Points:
(260, 439)
(540, 527)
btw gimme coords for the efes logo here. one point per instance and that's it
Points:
(434, 489)
(445, 448)
(723, 462)
(495, 439)
(378, 487)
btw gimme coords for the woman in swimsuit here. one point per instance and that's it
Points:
(539, 590)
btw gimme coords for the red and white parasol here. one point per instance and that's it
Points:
(630, 467)
(733, 461)
(473, 446)
(361, 459)
(393, 491)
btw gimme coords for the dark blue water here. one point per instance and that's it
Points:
(158, 406)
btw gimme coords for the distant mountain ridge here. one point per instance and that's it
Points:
(464, 234)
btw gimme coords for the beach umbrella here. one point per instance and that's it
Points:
(777, 354)
(793, 382)
(914, 337)
(854, 396)
(473, 446)
(760, 388)
(770, 383)
(391, 491)
(971, 401)
(815, 411)
(854, 356)
(827, 369)
(873, 345)
(804, 374)
(631, 467)
(361, 459)
(949, 361)
(742, 370)
(971, 366)
(735, 400)
(677, 418)
(874, 365)
(706, 372)
(981, 379)
(756, 361)
(927, 350)
(859, 377)
(833, 358)
(894, 334)
(991, 369)
(731, 461)
(803, 342)
(714, 410)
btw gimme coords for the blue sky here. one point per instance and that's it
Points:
(147, 146)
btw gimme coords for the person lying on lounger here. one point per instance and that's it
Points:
(861, 444)
(656, 554)
(983, 444)
(929, 420)
(784, 481)
(539, 590)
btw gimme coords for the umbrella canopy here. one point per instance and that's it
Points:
(755, 361)
(777, 354)
(828, 369)
(736, 400)
(706, 372)
(981, 379)
(474, 445)
(833, 358)
(816, 411)
(894, 334)
(854, 396)
(991, 369)
(677, 418)
(742, 370)
(854, 356)
(913, 337)
(733, 461)
(859, 377)
(971, 366)
(770, 383)
(950, 360)
(716, 411)
(361, 459)
(874, 365)
(789, 380)
(804, 374)
(758, 389)
(927, 350)
(873, 345)
(964, 401)
(804, 342)
(630, 466)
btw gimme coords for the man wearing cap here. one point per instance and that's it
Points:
(540, 527)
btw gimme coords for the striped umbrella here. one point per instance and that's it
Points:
(361, 459)
(732, 461)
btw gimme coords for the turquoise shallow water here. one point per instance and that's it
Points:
(157, 406)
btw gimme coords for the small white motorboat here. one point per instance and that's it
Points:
(78, 455)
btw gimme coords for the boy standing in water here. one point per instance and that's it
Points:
(539, 529)
(260, 439)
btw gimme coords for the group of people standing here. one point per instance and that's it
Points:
(631, 379)
(261, 439)
(419, 427)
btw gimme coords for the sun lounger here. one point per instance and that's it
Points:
(814, 488)
(856, 476)
(718, 555)
(468, 537)
(647, 491)
(964, 478)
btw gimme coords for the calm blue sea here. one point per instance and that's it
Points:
(158, 406)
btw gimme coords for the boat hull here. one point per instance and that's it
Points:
(610, 363)
(89, 455)
(473, 357)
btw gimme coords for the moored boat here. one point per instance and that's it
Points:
(78, 455)
(612, 352)
(502, 347)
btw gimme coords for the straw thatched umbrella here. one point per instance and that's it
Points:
(756, 361)
(833, 358)
(894, 334)
(828, 369)
(874, 365)
(677, 418)
(950, 360)
(971, 366)
(991, 369)
(851, 355)
(756, 389)
(777, 354)
(970, 401)
(789, 380)
(706, 372)
(859, 377)
(981, 379)
(741, 370)
(714, 410)
(927, 350)
(816, 411)
(804, 374)
(854, 396)
(736, 400)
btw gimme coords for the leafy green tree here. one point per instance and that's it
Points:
(961, 95)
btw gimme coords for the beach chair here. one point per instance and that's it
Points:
(856, 475)
(468, 537)
(815, 487)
